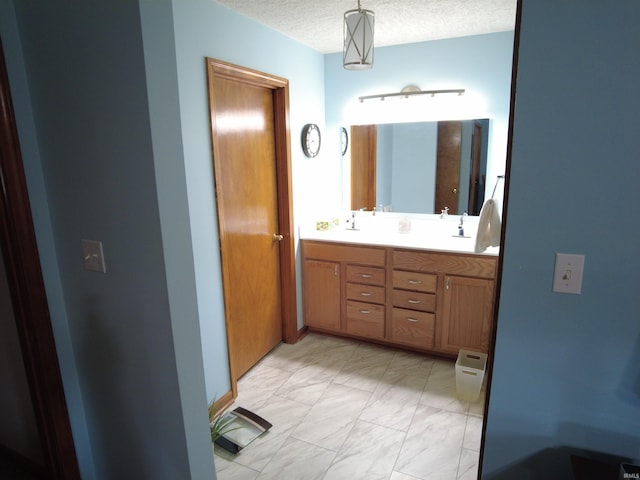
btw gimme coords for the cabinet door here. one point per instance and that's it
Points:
(321, 294)
(467, 314)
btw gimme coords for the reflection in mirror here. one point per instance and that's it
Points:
(420, 167)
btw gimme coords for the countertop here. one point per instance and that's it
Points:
(430, 234)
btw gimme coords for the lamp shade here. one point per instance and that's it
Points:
(358, 39)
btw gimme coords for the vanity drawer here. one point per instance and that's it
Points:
(365, 319)
(421, 282)
(369, 275)
(471, 265)
(365, 293)
(413, 328)
(337, 252)
(425, 302)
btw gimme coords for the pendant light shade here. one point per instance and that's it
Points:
(358, 39)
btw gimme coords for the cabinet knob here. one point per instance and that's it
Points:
(277, 237)
(366, 294)
(414, 302)
(414, 282)
(412, 320)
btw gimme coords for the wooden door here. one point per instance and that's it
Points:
(363, 167)
(467, 314)
(247, 131)
(448, 166)
(475, 202)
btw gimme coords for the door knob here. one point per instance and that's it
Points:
(277, 237)
(455, 190)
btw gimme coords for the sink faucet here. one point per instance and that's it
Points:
(353, 220)
(444, 212)
(461, 225)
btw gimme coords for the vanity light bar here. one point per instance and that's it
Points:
(407, 94)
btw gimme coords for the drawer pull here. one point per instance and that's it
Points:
(414, 282)
(414, 302)
(365, 312)
(366, 294)
(412, 320)
(366, 275)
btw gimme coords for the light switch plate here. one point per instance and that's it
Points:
(567, 276)
(93, 256)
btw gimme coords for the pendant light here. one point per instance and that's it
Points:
(358, 39)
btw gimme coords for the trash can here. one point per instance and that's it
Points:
(470, 368)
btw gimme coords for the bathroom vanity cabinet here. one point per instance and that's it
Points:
(427, 300)
(465, 285)
(343, 288)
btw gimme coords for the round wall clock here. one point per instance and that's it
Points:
(344, 140)
(310, 140)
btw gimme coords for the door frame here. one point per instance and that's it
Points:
(280, 90)
(19, 248)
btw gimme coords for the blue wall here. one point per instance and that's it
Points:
(384, 165)
(164, 116)
(567, 367)
(205, 29)
(21, 98)
(414, 167)
(87, 146)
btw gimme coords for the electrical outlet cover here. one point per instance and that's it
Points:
(92, 256)
(567, 276)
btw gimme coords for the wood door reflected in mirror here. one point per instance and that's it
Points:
(403, 167)
(363, 167)
(448, 166)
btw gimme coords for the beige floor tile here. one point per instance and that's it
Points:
(393, 402)
(433, 444)
(257, 386)
(411, 364)
(226, 469)
(369, 453)
(401, 476)
(292, 357)
(477, 408)
(285, 416)
(473, 433)
(332, 417)
(308, 383)
(343, 409)
(440, 391)
(297, 460)
(362, 372)
(468, 467)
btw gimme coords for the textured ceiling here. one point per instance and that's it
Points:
(318, 23)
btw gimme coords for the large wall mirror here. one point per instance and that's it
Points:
(419, 167)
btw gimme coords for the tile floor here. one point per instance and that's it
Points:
(341, 409)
